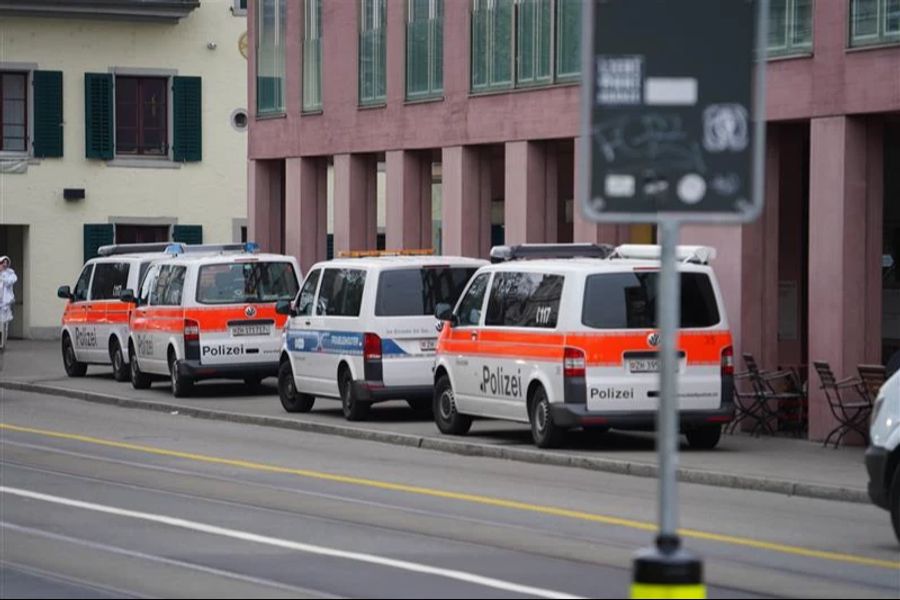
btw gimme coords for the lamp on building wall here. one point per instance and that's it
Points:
(73, 194)
(212, 45)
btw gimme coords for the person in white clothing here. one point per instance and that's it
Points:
(7, 281)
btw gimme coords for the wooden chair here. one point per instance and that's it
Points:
(850, 415)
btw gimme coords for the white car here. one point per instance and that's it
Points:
(95, 322)
(209, 312)
(572, 342)
(363, 330)
(883, 454)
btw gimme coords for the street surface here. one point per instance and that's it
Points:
(101, 501)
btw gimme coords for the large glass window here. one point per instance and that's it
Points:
(524, 300)
(13, 112)
(524, 42)
(628, 301)
(270, 44)
(109, 281)
(341, 292)
(874, 22)
(372, 57)
(417, 292)
(469, 310)
(142, 121)
(312, 55)
(424, 49)
(246, 282)
(790, 27)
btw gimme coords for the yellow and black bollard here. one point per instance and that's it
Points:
(667, 571)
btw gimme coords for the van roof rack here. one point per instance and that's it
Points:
(537, 251)
(377, 253)
(118, 249)
(701, 255)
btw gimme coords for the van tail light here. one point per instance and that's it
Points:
(728, 361)
(573, 362)
(371, 346)
(191, 330)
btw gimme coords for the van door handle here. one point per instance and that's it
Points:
(474, 335)
(308, 323)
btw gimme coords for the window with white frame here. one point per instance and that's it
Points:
(874, 22)
(13, 111)
(790, 27)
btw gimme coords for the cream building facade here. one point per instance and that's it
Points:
(121, 122)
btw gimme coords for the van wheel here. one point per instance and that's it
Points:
(181, 386)
(544, 431)
(139, 379)
(292, 400)
(120, 370)
(704, 438)
(70, 363)
(354, 410)
(895, 502)
(446, 417)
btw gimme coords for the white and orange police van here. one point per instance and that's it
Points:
(562, 343)
(363, 329)
(208, 312)
(95, 322)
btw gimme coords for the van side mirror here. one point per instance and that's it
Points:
(444, 313)
(128, 297)
(285, 307)
(64, 292)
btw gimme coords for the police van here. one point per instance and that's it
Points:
(208, 312)
(883, 453)
(363, 330)
(571, 341)
(95, 322)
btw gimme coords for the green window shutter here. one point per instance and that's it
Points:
(98, 115)
(48, 114)
(188, 119)
(96, 236)
(543, 13)
(188, 234)
(568, 39)
(372, 52)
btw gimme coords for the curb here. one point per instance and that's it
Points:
(455, 446)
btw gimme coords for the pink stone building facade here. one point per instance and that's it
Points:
(813, 279)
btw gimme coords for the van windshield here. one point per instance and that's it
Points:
(250, 282)
(418, 291)
(628, 301)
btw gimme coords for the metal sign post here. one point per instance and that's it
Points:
(674, 131)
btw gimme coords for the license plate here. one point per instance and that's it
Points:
(249, 330)
(428, 345)
(643, 365)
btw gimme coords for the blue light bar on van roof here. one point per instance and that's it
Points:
(251, 247)
(175, 249)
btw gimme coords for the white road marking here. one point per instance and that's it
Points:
(403, 565)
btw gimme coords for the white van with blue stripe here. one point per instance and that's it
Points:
(362, 330)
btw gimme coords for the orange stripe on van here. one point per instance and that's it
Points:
(211, 319)
(600, 348)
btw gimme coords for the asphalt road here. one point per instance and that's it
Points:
(100, 501)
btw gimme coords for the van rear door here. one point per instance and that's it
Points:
(405, 303)
(621, 341)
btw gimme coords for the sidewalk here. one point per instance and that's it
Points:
(779, 465)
